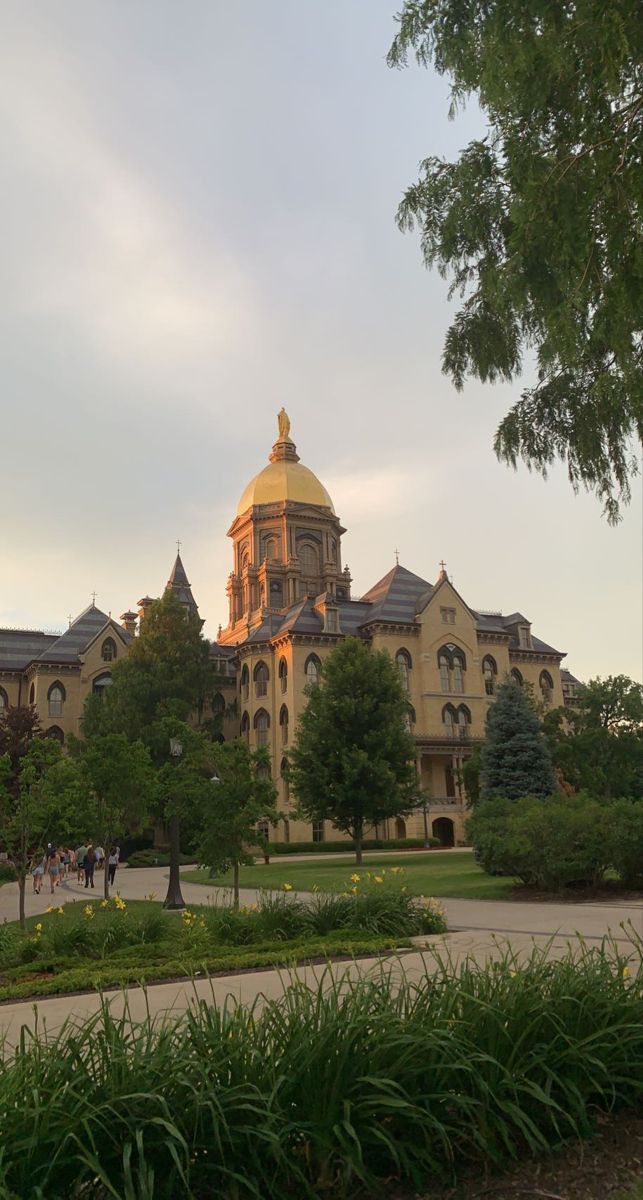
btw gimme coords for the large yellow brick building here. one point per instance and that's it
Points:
(289, 604)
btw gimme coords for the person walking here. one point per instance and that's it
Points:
(112, 863)
(80, 862)
(53, 867)
(100, 855)
(90, 863)
(38, 875)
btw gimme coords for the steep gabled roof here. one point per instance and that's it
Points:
(75, 640)
(396, 596)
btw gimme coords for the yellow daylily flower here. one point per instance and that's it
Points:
(378, 879)
(60, 910)
(354, 890)
(395, 870)
(354, 878)
(39, 927)
(88, 911)
(626, 970)
(50, 908)
(287, 887)
(104, 903)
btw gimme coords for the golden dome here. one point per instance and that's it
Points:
(285, 478)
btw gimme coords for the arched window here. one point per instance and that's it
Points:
(245, 682)
(489, 672)
(449, 719)
(261, 677)
(101, 682)
(516, 676)
(56, 699)
(108, 650)
(245, 726)
(283, 724)
(546, 686)
(283, 674)
(56, 733)
(218, 704)
(312, 668)
(309, 559)
(464, 721)
(458, 673)
(4, 702)
(404, 664)
(444, 673)
(409, 718)
(272, 549)
(32, 694)
(285, 786)
(262, 725)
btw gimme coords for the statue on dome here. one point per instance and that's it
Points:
(283, 421)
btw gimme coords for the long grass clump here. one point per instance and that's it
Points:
(333, 1091)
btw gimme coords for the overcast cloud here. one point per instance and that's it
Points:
(198, 226)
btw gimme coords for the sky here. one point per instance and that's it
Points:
(198, 215)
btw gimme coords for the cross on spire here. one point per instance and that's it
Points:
(94, 594)
(178, 545)
(397, 557)
(442, 564)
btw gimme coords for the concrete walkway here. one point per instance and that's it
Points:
(482, 929)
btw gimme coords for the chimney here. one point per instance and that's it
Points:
(128, 622)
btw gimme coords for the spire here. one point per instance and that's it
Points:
(179, 584)
(443, 571)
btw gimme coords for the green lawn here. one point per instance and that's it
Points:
(455, 875)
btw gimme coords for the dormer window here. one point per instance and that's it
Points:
(524, 637)
(331, 621)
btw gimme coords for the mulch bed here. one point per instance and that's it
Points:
(598, 1168)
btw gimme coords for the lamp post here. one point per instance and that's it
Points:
(174, 899)
(213, 871)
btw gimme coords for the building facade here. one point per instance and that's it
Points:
(290, 603)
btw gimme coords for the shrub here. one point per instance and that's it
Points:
(7, 872)
(155, 858)
(344, 846)
(550, 844)
(335, 1091)
(624, 837)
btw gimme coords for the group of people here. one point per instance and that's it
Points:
(58, 863)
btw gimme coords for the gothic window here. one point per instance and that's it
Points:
(464, 721)
(263, 829)
(409, 718)
(245, 682)
(309, 559)
(261, 677)
(517, 677)
(262, 726)
(489, 672)
(245, 726)
(4, 702)
(32, 694)
(444, 673)
(244, 560)
(56, 699)
(284, 781)
(218, 705)
(458, 674)
(283, 674)
(101, 682)
(449, 719)
(318, 831)
(283, 724)
(55, 732)
(312, 669)
(404, 664)
(546, 686)
(108, 650)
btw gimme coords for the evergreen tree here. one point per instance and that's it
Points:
(537, 223)
(353, 761)
(515, 760)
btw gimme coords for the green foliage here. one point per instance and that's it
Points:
(537, 223)
(549, 844)
(323, 1091)
(155, 858)
(624, 837)
(598, 744)
(353, 758)
(7, 872)
(339, 847)
(515, 759)
(243, 795)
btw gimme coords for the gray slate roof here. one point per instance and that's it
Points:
(397, 596)
(180, 584)
(20, 647)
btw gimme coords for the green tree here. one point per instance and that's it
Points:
(118, 784)
(39, 793)
(598, 744)
(538, 222)
(163, 685)
(242, 793)
(353, 758)
(515, 760)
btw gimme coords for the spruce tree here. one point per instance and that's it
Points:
(515, 759)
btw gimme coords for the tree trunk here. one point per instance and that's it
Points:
(235, 887)
(174, 899)
(22, 880)
(106, 871)
(426, 828)
(357, 838)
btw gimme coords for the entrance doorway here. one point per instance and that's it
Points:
(400, 828)
(443, 829)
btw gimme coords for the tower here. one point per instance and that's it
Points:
(287, 542)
